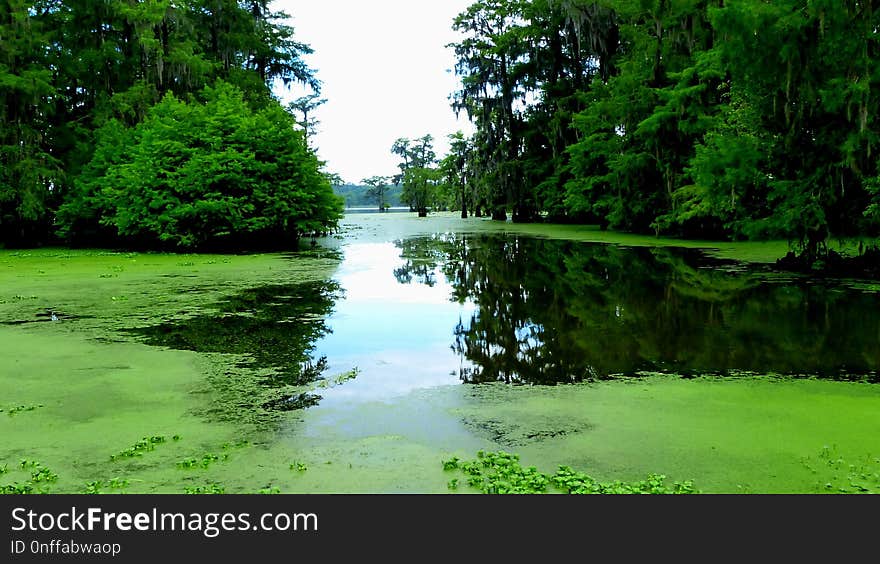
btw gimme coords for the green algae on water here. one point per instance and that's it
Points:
(115, 349)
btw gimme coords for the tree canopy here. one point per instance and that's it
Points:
(203, 175)
(419, 176)
(91, 89)
(746, 119)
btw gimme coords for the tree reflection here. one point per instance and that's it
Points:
(274, 330)
(551, 311)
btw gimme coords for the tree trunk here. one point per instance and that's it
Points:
(522, 214)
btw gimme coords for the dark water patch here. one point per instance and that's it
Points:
(272, 329)
(554, 311)
(276, 326)
(520, 433)
(312, 249)
(294, 402)
(46, 316)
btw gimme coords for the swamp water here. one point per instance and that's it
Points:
(361, 364)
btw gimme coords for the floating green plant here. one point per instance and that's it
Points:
(39, 473)
(93, 488)
(235, 445)
(97, 486)
(147, 444)
(39, 478)
(451, 464)
(204, 462)
(17, 489)
(211, 488)
(502, 473)
(118, 483)
(21, 408)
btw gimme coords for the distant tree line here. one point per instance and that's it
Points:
(366, 195)
(425, 182)
(703, 118)
(153, 124)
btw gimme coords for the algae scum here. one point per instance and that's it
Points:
(361, 365)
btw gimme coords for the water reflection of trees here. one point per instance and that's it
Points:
(274, 330)
(550, 311)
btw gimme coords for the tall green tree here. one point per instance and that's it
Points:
(69, 67)
(29, 172)
(490, 56)
(209, 175)
(454, 169)
(378, 190)
(419, 177)
(810, 83)
(303, 108)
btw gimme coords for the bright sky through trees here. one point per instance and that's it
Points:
(386, 74)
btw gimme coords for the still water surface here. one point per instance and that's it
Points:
(449, 308)
(477, 308)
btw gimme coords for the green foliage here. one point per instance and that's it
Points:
(421, 187)
(502, 473)
(420, 180)
(39, 479)
(66, 70)
(39, 473)
(358, 196)
(211, 488)
(703, 119)
(147, 444)
(211, 175)
(96, 487)
(378, 189)
(204, 462)
(17, 489)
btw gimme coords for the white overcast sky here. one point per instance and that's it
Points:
(386, 74)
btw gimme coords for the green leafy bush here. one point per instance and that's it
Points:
(210, 176)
